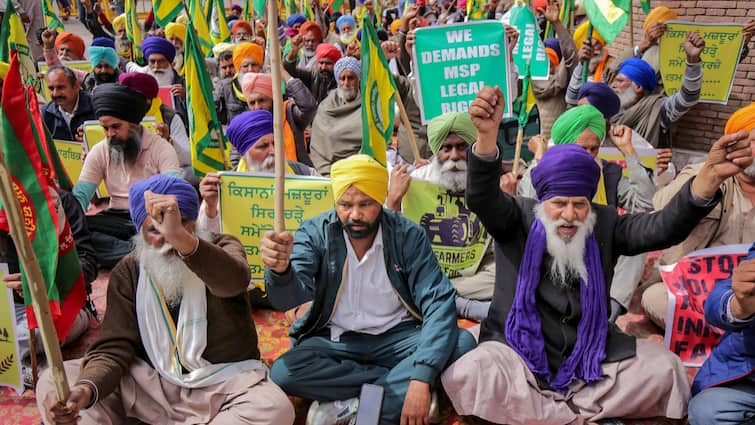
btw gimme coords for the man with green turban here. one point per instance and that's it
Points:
(585, 126)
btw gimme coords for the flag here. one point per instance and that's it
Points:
(336, 5)
(566, 13)
(378, 95)
(33, 185)
(205, 132)
(306, 10)
(51, 19)
(219, 31)
(608, 17)
(645, 6)
(527, 99)
(13, 37)
(290, 6)
(165, 11)
(474, 10)
(259, 7)
(134, 31)
(199, 24)
(248, 11)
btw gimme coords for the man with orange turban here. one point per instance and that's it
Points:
(311, 36)
(732, 222)
(241, 31)
(69, 47)
(229, 97)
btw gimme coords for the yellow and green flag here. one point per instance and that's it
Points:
(259, 7)
(205, 132)
(219, 31)
(51, 19)
(474, 10)
(13, 37)
(527, 99)
(378, 95)
(133, 30)
(165, 11)
(198, 22)
(609, 17)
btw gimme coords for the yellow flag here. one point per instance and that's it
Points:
(219, 31)
(133, 30)
(197, 20)
(166, 11)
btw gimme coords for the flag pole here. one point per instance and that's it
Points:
(36, 282)
(586, 62)
(280, 153)
(631, 25)
(408, 125)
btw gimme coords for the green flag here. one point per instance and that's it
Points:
(609, 17)
(527, 99)
(166, 11)
(259, 7)
(645, 6)
(219, 31)
(51, 19)
(13, 37)
(134, 30)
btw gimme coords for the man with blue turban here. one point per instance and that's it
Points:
(104, 62)
(382, 310)
(547, 351)
(177, 344)
(644, 109)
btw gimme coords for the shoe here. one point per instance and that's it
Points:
(339, 412)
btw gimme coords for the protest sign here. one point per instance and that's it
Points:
(456, 234)
(246, 209)
(648, 157)
(10, 366)
(166, 97)
(71, 154)
(454, 62)
(723, 45)
(530, 48)
(85, 66)
(688, 283)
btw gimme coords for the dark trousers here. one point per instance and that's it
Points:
(111, 231)
(320, 369)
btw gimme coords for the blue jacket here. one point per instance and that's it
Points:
(317, 263)
(734, 357)
(57, 125)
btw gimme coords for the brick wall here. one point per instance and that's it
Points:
(705, 122)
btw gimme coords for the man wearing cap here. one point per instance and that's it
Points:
(69, 106)
(177, 344)
(382, 312)
(229, 97)
(732, 222)
(128, 154)
(547, 352)
(321, 80)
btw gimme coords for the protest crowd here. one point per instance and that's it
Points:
(452, 250)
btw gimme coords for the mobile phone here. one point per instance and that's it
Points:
(370, 405)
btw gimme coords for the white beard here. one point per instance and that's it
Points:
(628, 97)
(164, 77)
(266, 166)
(450, 175)
(568, 255)
(347, 95)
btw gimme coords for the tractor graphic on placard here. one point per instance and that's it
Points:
(460, 230)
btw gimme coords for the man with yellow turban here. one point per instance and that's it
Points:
(382, 310)
(229, 96)
(176, 34)
(122, 43)
(732, 222)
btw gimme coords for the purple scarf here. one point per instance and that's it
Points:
(524, 330)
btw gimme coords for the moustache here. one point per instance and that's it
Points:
(58, 98)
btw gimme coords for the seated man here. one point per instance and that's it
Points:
(128, 154)
(382, 311)
(724, 387)
(70, 106)
(173, 277)
(548, 353)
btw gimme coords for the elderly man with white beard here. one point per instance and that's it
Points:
(177, 344)
(547, 352)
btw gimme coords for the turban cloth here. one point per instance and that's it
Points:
(539, 4)
(395, 26)
(743, 119)
(119, 22)
(73, 41)
(175, 30)
(182, 19)
(98, 54)
(580, 35)
(362, 172)
(295, 18)
(242, 25)
(103, 42)
(163, 184)
(553, 43)
(311, 26)
(660, 14)
(158, 45)
(552, 56)
(566, 170)
(222, 47)
(601, 96)
(347, 63)
(640, 72)
(119, 101)
(246, 129)
(247, 50)
(345, 19)
(573, 122)
(253, 82)
(236, 8)
(440, 127)
(327, 51)
(141, 82)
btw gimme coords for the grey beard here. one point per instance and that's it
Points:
(266, 166)
(164, 77)
(347, 95)
(450, 175)
(628, 97)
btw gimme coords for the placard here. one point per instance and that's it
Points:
(10, 365)
(530, 48)
(648, 157)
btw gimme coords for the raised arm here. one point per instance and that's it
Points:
(674, 107)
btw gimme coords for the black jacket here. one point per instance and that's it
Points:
(318, 84)
(509, 219)
(57, 124)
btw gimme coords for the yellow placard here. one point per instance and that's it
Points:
(85, 66)
(648, 157)
(723, 45)
(10, 366)
(71, 154)
(246, 208)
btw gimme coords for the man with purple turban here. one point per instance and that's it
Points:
(176, 345)
(547, 352)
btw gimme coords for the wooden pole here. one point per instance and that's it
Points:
(280, 152)
(586, 62)
(35, 280)
(518, 150)
(33, 357)
(408, 125)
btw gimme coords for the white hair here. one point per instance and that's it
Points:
(451, 175)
